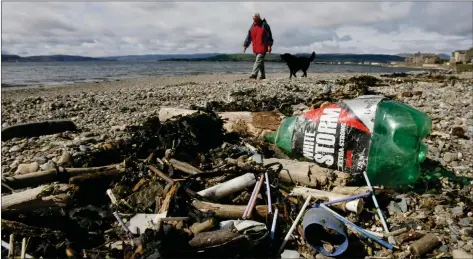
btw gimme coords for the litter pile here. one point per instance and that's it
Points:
(200, 184)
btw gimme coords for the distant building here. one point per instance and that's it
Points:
(462, 56)
(423, 58)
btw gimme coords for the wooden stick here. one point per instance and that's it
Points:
(204, 226)
(35, 129)
(169, 180)
(424, 245)
(49, 176)
(23, 248)
(35, 198)
(308, 174)
(108, 173)
(227, 211)
(11, 251)
(351, 190)
(184, 167)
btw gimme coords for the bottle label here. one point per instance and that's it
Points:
(338, 136)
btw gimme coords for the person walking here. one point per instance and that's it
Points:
(262, 39)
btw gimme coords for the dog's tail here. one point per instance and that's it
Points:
(312, 57)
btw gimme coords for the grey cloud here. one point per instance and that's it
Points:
(124, 28)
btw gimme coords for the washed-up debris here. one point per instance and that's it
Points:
(35, 129)
(192, 187)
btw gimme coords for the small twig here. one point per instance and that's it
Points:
(11, 251)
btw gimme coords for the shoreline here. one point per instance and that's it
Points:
(345, 68)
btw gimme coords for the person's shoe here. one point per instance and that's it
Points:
(252, 77)
(261, 78)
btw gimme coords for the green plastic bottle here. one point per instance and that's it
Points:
(369, 133)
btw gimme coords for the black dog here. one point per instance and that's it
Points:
(297, 63)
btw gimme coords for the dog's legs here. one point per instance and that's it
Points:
(305, 73)
(294, 73)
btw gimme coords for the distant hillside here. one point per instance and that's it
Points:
(158, 57)
(52, 58)
(274, 57)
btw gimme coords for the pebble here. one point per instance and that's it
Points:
(41, 160)
(50, 165)
(87, 134)
(65, 158)
(15, 148)
(83, 148)
(449, 157)
(27, 168)
(461, 254)
(4, 125)
(457, 212)
(464, 222)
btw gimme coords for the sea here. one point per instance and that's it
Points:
(39, 74)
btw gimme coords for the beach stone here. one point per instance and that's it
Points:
(394, 208)
(41, 160)
(458, 131)
(464, 222)
(460, 155)
(458, 121)
(83, 148)
(15, 148)
(439, 208)
(449, 157)
(457, 212)
(27, 168)
(87, 134)
(461, 254)
(5, 124)
(50, 165)
(65, 158)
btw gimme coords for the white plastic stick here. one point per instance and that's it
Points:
(299, 216)
(234, 185)
(7, 246)
(375, 201)
(268, 192)
(273, 226)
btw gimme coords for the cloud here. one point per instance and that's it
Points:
(125, 28)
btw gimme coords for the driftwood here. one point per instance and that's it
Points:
(351, 190)
(184, 167)
(252, 123)
(39, 197)
(28, 231)
(426, 244)
(35, 129)
(224, 189)
(203, 226)
(309, 174)
(228, 211)
(213, 238)
(108, 173)
(44, 177)
(353, 206)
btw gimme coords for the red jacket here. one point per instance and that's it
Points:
(261, 37)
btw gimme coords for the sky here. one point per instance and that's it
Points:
(123, 28)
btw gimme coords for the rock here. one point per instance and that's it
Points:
(458, 121)
(439, 208)
(403, 205)
(83, 148)
(443, 248)
(15, 148)
(464, 222)
(50, 165)
(394, 208)
(65, 158)
(407, 94)
(87, 134)
(461, 254)
(458, 131)
(449, 157)
(41, 160)
(457, 212)
(460, 155)
(467, 232)
(468, 248)
(27, 168)
(4, 125)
